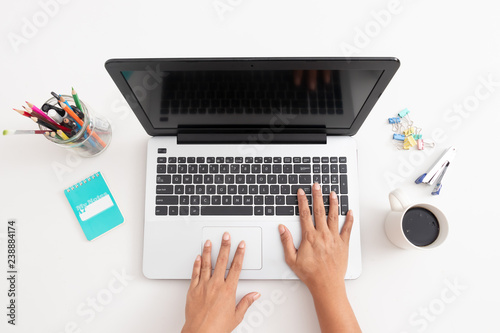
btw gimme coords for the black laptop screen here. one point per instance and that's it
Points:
(251, 98)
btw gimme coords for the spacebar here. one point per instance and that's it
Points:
(226, 210)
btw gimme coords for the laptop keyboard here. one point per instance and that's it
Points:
(252, 186)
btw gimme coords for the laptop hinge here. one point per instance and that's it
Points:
(266, 136)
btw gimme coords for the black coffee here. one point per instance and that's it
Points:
(420, 226)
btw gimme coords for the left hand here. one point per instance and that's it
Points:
(211, 299)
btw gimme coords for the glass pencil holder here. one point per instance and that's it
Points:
(89, 134)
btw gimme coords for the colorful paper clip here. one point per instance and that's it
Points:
(410, 141)
(420, 144)
(437, 171)
(399, 137)
(404, 113)
(409, 131)
(395, 120)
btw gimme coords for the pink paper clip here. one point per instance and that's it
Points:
(420, 144)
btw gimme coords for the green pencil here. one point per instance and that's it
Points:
(77, 100)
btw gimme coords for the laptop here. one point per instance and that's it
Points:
(233, 139)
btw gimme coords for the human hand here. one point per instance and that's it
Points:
(321, 260)
(211, 299)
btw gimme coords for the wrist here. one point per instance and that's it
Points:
(328, 288)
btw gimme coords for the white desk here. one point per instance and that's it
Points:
(445, 49)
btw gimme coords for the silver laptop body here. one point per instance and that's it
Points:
(233, 139)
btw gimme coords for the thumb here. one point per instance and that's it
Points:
(345, 234)
(245, 303)
(288, 247)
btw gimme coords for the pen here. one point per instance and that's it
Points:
(46, 107)
(55, 116)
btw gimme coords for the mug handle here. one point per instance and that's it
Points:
(398, 200)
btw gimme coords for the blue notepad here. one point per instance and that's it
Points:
(94, 206)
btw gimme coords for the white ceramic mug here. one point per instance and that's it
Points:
(394, 222)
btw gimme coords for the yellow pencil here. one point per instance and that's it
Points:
(62, 135)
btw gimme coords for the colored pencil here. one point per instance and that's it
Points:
(62, 135)
(62, 99)
(34, 107)
(14, 132)
(36, 112)
(23, 113)
(69, 123)
(44, 123)
(50, 121)
(76, 99)
(79, 121)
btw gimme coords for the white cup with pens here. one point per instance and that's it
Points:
(89, 133)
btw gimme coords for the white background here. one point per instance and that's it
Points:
(445, 48)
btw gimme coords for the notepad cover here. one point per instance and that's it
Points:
(94, 206)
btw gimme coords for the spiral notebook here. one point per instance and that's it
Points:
(94, 206)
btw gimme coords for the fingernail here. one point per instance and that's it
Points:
(256, 296)
(242, 245)
(281, 229)
(198, 258)
(301, 192)
(316, 186)
(334, 194)
(225, 236)
(207, 243)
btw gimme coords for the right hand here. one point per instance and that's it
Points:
(321, 260)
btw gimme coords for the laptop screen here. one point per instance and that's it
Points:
(175, 99)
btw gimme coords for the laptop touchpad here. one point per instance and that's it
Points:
(252, 237)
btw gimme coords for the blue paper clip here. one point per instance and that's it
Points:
(394, 120)
(404, 113)
(399, 137)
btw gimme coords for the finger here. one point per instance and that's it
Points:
(327, 77)
(312, 76)
(234, 272)
(305, 214)
(297, 77)
(318, 208)
(345, 234)
(244, 304)
(288, 247)
(333, 214)
(206, 261)
(223, 257)
(195, 276)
